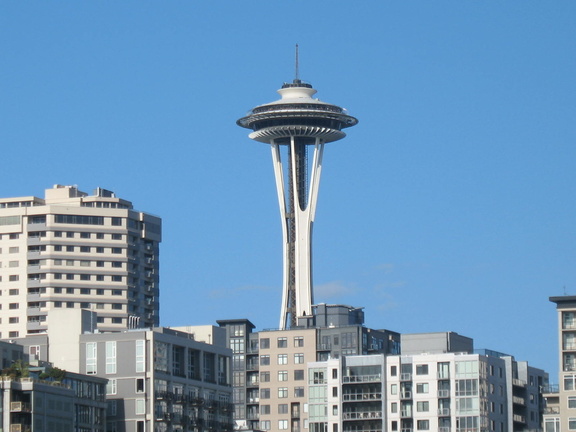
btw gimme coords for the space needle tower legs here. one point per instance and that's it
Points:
(297, 122)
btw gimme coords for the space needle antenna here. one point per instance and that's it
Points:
(297, 67)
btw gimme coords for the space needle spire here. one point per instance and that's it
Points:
(292, 125)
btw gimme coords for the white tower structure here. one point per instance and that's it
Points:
(297, 121)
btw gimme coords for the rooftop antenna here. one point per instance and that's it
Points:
(297, 68)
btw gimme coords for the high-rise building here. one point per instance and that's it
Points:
(561, 408)
(71, 250)
(297, 122)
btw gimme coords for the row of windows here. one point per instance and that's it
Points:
(282, 359)
(81, 263)
(282, 392)
(282, 342)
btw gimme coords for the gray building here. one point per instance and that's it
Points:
(33, 400)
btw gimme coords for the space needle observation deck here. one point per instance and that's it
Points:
(295, 123)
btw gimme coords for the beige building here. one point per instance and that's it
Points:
(71, 250)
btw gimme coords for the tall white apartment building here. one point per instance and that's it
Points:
(72, 250)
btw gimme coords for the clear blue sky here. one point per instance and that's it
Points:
(451, 206)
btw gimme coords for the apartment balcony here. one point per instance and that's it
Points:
(443, 393)
(444, 412)
(362, 378)
(20, 427)
(406, 429)
(518, 383)
(518, 400)
(519, 418)
(444, 429)
(253, 416)
(253, 400)
(20, 407)
(405, 377)
(362, 430)
(551, 410)
(361, 396)
(405, 414)
(295, 414)
(361, 415)
(406, 395)
(252, 366)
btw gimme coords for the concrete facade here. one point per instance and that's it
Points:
(71, 250)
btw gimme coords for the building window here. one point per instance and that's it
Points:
(264, 360)
(140, 356)
(282, 375)
(13, 278)
(265, 393)
(283, 392)
(282, 424)
(282, 359)
(282, 342)
(571, 401)
(299, 358)
(394, 407)
(298, 375)
(422, 369)
(422, 406)
(298, 392)
(13, 320)
(111, 387)
(13, 306)
(264, 343)
(13, 334)
(140, 407)
(298, 341)
(91, 359)
(85, 249)
(13, 292)
(265, 425)
(422, 388)
(111, 357)
(394, 389)
(423, 424)
(264, 376)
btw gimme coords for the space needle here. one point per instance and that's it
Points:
(296, 123)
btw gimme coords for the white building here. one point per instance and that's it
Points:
(434, 390)
(72, 250)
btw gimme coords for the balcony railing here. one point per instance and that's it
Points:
(20, 407)
(362, 378)
(443, 412)
(361, 396)
(443, 393)
(361, 415)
